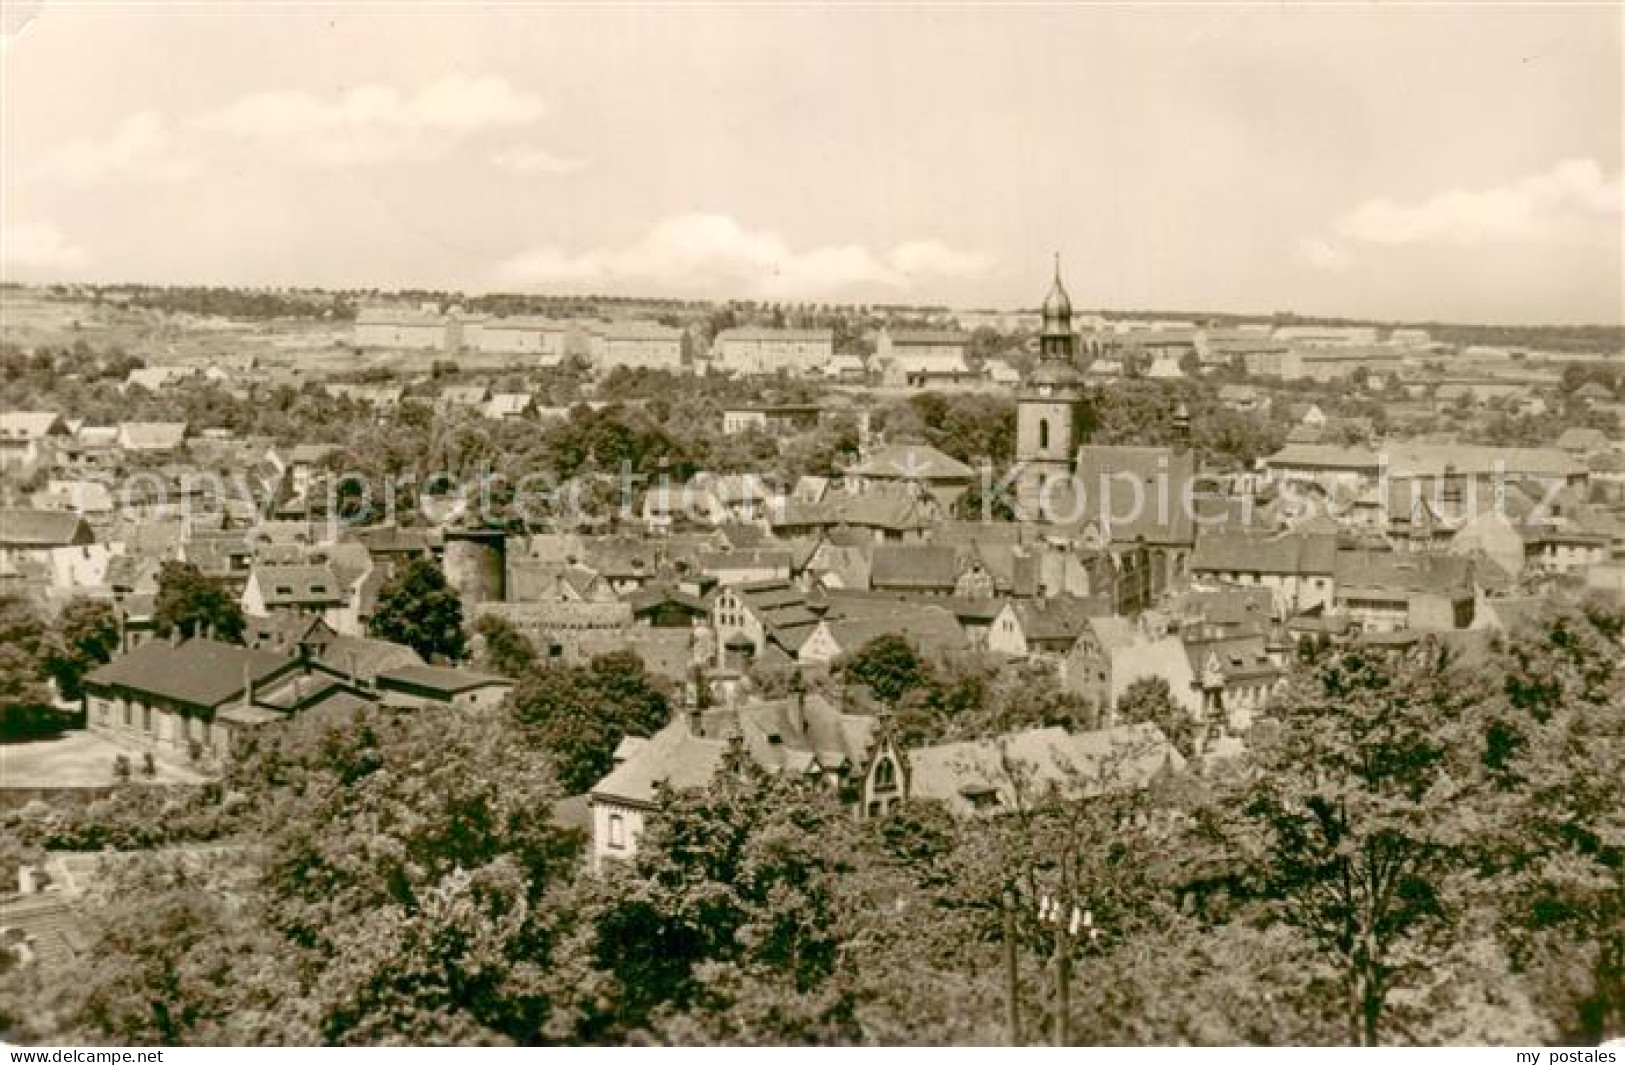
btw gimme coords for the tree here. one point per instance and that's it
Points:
(195, 605)
(889, 666)
(580, 714)
(25, 700)
(503, 649)
(1150, 699)
(729, 923)
(416, 607)
(1553, 739)
(86, 635)
(1358, 819)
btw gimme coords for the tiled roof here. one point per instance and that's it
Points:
(439, 679)
(1286, 554)
(26, 527)
(960, 774)
(300, 584)
(914, 566)
(200, 672)
(913, 462)
(1367, 574)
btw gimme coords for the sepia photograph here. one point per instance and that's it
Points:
(605, 525)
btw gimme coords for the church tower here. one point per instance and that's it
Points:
(1047, 411)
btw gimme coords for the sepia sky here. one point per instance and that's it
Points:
(1394, 162)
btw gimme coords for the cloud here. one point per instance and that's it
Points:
(531, 160)
(934, 258)
(1573, 195)
(376, 123)
(1323, 255)
(711, 254)
(37, 247)
(140, 149)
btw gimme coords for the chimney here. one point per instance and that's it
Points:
(1182, 430)
(355, 673)
(798, 703)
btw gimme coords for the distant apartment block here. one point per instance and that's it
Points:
(548, 339)
(634, 345)
(755, 350)
(401, 329)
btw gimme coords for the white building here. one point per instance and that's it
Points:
(635, 345)
(756, 350)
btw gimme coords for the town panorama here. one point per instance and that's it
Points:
(724, 638)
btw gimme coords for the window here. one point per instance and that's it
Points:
(617, 832)
(885, 775)
(1043, 432)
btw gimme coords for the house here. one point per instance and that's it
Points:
(915, 569)
(751, 620)
(852, 623)
(25, 530)
(151, 437)
(180, 698)
(804, 735)
(924, 358)
(885, 514)
(158, 378)
(635, 345)
(399, 328)
(916, 466)
(748, 566)
(1383, 592)
(1298, 568)
(1042, 628)
(777, 418)
(545, 340)
(415, 685)
(1007, 773)
(509, 406)
(1236, 676)
(754, 350)
(1111, 653)
(294, 588)
(25, 437)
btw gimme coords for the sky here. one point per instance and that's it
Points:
(1393, 162)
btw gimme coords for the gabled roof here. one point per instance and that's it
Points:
(914, 566)
(930, 627)
(201, 673)
(673, 757)
(29, 528)
(29, 425)
(1284, 554)
(913, 462)
(1057, 620)
(298, 584)
(151, 436)
(441, 680)
(962, 775)
(1383, 574)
